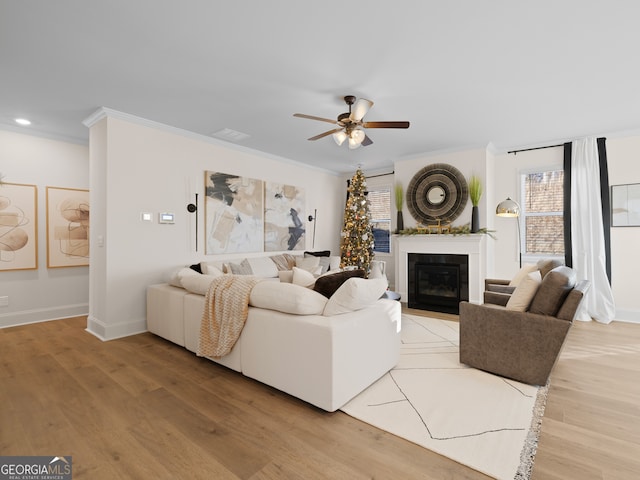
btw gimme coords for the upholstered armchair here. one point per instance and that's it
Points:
(522, 344)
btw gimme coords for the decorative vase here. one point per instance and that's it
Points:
(399, 221)
(475, 219)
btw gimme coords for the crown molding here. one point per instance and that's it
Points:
(104, 112)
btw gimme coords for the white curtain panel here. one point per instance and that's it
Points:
(587, 232)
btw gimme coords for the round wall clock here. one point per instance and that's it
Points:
(437, 192)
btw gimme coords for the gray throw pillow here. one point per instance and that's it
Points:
(553, 291)
(243, 268)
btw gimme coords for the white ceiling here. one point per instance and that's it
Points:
(465, 73)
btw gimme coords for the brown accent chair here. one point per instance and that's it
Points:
(523, 346)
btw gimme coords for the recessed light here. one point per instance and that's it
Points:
(23, 121)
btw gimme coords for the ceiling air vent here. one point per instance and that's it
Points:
(230, 135)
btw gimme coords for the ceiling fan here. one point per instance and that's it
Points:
(351, 125)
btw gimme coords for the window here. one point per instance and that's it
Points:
(541, 213)
(380, 209)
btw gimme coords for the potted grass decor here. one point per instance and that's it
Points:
(475, 192)
(399, 197)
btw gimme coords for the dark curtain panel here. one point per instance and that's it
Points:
(568, 251)
(606, 203)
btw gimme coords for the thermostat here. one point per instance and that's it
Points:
(165, 217)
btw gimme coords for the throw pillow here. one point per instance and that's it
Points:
(525, 270)
(523, 294)
(303, 278)
(308, 263)
(197, 267)
(323, 253)
(334, 262)
(286, 276)
(545, 265)
(328, 284)
(174, 277)
(553, 291)
(355, 294)
(243, 268)
(284, 261)
(287, 298)
(263, 267)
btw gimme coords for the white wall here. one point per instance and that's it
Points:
(146, 167)
(43, 294)
(624, 168)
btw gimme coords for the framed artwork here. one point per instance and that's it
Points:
(67, 227)
(625, 205)
(234, 208)
(284, 218)
(18, 227)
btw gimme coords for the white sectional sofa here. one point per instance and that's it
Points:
(323, 351)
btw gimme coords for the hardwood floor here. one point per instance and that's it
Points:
(141, 407)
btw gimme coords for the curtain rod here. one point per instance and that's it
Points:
(534, 148)
(381, 174)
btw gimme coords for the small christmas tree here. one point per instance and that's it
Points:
(356, 242)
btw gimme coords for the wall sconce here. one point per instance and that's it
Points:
(312, 218)
(193, 208)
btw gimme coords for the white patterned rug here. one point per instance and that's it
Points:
(486, 422)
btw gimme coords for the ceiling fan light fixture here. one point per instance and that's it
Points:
(357, 135)
(360, 109)
(354, 143)
(340, 137)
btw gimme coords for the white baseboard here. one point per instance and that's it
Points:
(25, 317)
(107, 332)
(629, 316)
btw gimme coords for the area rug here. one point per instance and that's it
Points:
(486, 422)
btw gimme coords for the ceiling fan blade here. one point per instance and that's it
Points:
(366, 141)
(360, 109)
(322, 135)
(311, 117)
(385, 124)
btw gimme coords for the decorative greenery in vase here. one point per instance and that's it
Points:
(475, 192)
(399, 197)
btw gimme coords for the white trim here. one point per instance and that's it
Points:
(26, 317)
(107, 332)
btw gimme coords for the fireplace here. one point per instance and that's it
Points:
(438, 282)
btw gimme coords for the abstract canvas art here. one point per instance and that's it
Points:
(67, 227)
(233, 213)
(284, 218)
(18, 227)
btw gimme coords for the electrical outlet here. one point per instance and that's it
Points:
(4, 301)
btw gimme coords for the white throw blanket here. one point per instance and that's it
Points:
(225, 312)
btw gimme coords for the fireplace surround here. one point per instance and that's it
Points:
(473, 246)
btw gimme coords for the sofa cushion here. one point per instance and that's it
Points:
(287, 298)
(355, 294)
(522, 296)
(285, 276)
(197, 283)
(263, 267)
(553, 290)
(328, 284)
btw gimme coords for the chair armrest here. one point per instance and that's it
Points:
(494, 281)
(496, 298)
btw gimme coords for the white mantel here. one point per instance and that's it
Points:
(475, 246)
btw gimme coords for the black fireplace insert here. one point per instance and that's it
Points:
(438, 282)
